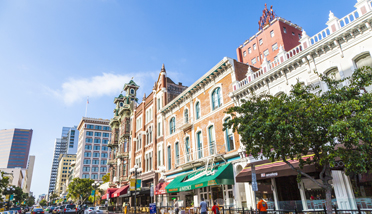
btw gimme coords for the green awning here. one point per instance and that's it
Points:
(223, 175)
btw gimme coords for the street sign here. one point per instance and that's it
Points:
(152, 208)
(132, 183)
(254, 179)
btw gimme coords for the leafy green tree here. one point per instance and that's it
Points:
(106, 178)
(80, 189)
(30, 200)
(53, 197)
(19, 195)
(4, 182)
(43, 202)
(336, 123)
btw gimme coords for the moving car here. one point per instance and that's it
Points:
(17, 210)
(89, 210)
(37, 211)
(51, 209)
(70, 208)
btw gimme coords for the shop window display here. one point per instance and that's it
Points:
(362, 187)
(265, 190)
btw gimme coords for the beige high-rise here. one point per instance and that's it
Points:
(64, 165)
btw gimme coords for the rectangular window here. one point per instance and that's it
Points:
(94, 169)
(249, 50)
(97, 140)
(272, 33)
(86, 161)
(97, 134)
(266, 52)
(106, 128)
(260, 41)
(95, 162)
(244, 53)
(86, 169)
(103, 162)
(299, 36)
(98, 127)
(104, 155)
(254, 46)
(94, 176)
(97, 148)
(200, 146)
(160, 156)
(158, 129)
(90, 127)
(104, 141)
(106, 134)
(211, 140)
(103, 169)
(95, 154)
(87, 154)
(104, 148)
(275, 46)
(89, 133)
(177, 153)
(159, 104)
(88, 147)
(169, 158)
(85, 175)
(254, 61)
(284, 30)
(293, 34)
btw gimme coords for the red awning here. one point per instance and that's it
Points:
(160, 188)
(108, 191)
(121, 191)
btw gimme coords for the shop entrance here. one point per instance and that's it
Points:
(289, 197)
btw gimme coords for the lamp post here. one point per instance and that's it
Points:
(95, 185)
(136, 170)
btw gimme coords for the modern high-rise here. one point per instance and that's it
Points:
(92, 155)
(64, 166)
(30, 171)
(67, 144)
(14, 147)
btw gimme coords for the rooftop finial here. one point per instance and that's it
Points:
(331, 15)
(163, 67)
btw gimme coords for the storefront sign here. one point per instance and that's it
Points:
(254, 179)
(185, 188)
(152, 208)
(212, 182)
(199, 185)
(269, 175)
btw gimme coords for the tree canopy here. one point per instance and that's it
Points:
(106, 178)
(331, 125)
(80, 189)
(43, 202)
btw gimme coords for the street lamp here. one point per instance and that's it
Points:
(136, 170)
(95, 185)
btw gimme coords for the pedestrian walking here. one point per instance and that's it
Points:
(215, 208)
(203, 207)
(262, 206)
(176, 210)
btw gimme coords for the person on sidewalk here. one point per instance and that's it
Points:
(176, 209)
(203, 207)
(215, 208)
(262, 206)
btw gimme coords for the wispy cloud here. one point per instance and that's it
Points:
(107, 84)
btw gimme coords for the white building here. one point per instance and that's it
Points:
(92, 155)
(346, 44)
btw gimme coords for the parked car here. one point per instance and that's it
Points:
(100, 210)
(89, 210)
(37, 211)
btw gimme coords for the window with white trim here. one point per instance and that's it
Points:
(172, 125)
(249, 50)
(138, 162)
(254, 61)
(138, 123)
(272, 34)
(148, 115)
(274, 47)
(160, 155)
(266, 52)
(216, 98)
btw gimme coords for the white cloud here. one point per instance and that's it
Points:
(107, 84)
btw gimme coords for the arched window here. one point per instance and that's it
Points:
(172, 125)
(132, 91)
(199, 144)
(197, 110)
(177, 153)
(187, 145)
(363, 60)
(216, 98)
(211, 140)
(333, 73)
(186, 116)
(229, 138)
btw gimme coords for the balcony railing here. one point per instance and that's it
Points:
(122, 155)
(184, 125)
(200, 155)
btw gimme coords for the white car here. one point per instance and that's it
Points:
(100, 210)
(89, 210)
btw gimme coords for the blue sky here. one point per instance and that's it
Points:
(53, 54)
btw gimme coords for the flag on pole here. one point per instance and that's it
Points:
(87, 100)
